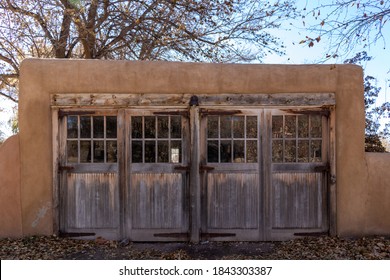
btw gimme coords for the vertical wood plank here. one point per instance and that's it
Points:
(332, 174)
(195, 192)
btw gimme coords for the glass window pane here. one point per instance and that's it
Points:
(176, 127)
(136, 151)
(136, 127)
(239, 151)
(85, 151)
(176, 151)
(316, 126)
(277, 126)
(290, 152)
(163, 127)
(150, 151)
(277, 151)
(303, 151)
(226, 126)
(316, 151)
(212, 151)
(212, 127)
(72, 151)
(98, 127)
(238, 127)
(251, 151)
(111, 153)
(162, 151)
(111, 127)
(226, 151)
(290, 127)
(251, 127)
(303, 126)
(85, 127)
(72, 126)
(150, 127)
(98, 151)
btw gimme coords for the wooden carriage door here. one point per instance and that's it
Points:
(298, 189)
(89, 183)
(157, 205)
(230, 175)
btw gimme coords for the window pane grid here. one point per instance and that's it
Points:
(90, 149)
(156, 139)
(231, 139)
(296, 138)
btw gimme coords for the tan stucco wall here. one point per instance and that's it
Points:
(377, 194)
(40, 78)
(10, 207)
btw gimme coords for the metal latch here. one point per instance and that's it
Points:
(182, 168)
(65, 168)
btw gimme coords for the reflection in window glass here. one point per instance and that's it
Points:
(85, 151)
(226, 151)
(176, 127)
(212, 127)
(136, 127)
(316, 151)
(212, 151)
(303, 126)
(303, 151)
(72, 151)
(290, 151)
(98, 127)
(72, 127)
(111, 155)
(226, 126)
(290, 126)
(98, 151)
(111, 127)
(176, 151)
(277, 126)
(239, 127)
(136, 151)
(163, 127)
(150, 151)
(316, 126)
(251, 151)
(277, 151)
(85, 127)
(163, 151)
(239, 151)
(150, 127)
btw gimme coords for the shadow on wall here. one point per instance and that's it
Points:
(10, 204)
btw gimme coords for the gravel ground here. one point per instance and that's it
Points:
(312, 248)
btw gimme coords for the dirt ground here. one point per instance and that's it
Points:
(313, 248)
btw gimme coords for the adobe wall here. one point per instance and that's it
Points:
(40, 78)
(377, 194)
(10, 207)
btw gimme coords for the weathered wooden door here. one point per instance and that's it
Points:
(297, 194)
(157, 198)
(88, 166)
(230, 174)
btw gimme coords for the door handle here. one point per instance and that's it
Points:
(206, 168)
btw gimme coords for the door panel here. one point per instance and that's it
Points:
(89, 189)
(231, 187)
(157, 189)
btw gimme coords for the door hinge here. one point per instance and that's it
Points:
(322, 168)
(65, 168)
(75, 234)
(206, 168)
(181, 168)
(179, 235)
(206, 235)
